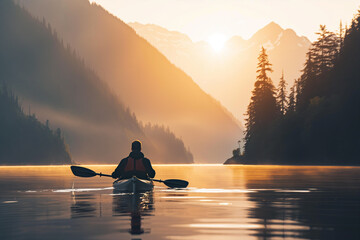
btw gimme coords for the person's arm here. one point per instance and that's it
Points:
(119, 169)
(149, 170)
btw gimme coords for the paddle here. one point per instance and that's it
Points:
(173, 183)
(85, 172)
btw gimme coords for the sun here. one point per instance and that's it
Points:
(217, 41)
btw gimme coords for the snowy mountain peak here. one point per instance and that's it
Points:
(224, 75)
(269, 32)
(161, 32)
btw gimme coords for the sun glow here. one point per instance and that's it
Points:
(217, 41)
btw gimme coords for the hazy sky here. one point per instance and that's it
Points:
(202, 18)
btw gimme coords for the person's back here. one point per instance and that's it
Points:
(134, 165)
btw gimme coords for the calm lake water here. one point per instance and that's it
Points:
(221, 202)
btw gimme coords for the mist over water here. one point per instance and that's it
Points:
(221, 202)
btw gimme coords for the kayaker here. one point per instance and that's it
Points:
(134, 165)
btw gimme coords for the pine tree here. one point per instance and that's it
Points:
(320, 59)
(281, 95)
(291, 106)
(262, 110)
(309, 71)
(325, 50)
(341, 36)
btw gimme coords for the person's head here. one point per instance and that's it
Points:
(136, 146)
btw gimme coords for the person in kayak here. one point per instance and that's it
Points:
(134, 165)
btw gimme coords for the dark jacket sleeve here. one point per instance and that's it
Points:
(119, 171)
(150, 171)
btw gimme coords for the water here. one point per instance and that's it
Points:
(221, 202)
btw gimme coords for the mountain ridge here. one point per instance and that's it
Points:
(59, 87)
(234, 68)
(142, 77)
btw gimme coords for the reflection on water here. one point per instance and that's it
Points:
(326, 205)
(136, 206)
(222, 202)
(83, 205)
(319, 215)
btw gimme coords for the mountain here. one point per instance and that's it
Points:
(269, 33)
(321, 126)
(229, 76)
(24, 140)
(55, 83)
(142, 77)
(163, 37)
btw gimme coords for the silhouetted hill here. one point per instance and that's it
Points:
(141, 76)
(229, 75)
(59, 87)
(24, 140)
(320, 123)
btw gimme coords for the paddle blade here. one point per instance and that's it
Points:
(176, 183)
(82, 172)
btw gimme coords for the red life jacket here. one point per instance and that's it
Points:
(135, 165)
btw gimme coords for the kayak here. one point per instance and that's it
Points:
(133, 185)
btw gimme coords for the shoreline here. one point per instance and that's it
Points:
(187, 164)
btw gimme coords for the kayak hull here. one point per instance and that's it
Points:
(133, 185)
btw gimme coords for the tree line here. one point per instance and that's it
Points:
(317, 122)
(24, 139)
(43, 69)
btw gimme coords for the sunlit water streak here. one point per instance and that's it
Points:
(221, 202)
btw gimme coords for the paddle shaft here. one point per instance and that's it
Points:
(105, 175)
(85, 172)
(156, 180)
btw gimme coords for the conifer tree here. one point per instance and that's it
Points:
(309, 71)
(291, 106)
(281, 95)
(262, 110)
(341, 36)
(320, 59)
(325, 50)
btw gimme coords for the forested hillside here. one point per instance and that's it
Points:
(56, 83)
(141, 76)
(320, 123)
(24, 140)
